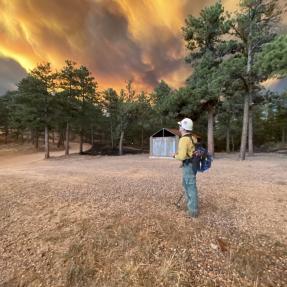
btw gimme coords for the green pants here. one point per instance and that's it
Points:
(189, 184)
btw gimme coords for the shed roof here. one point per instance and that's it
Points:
(176, 132)
(170, 131)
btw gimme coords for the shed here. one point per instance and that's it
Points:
(164, 142)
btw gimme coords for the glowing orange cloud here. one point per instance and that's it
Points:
(117, 40)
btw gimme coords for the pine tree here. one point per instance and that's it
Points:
(203, 36)
(68, 84)
(253, 26)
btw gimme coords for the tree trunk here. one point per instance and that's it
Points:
(6, 135)
(244, 128)
(67, 148)
(81, 141)
(142, 138)
(245, 114)
(36, 139)
(112, 137)
(92, 135)
(61, 139)
(250, 132)
(210, 137)
(32, 132)
(121, 143)
(246, 100)
(53, 137)
(232, 143)
(283, 135)
(47, 152)
(228, 139)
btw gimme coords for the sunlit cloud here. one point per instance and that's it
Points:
(117, 40)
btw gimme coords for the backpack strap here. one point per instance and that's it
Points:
(190, 136)
(191, 159)
(192, 139)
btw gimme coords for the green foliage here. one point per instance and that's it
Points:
(272, 61)
(7, 110)
(254, 23)
(126, 107)
(272, 120)
(160, 101)
(120, 109)
(33, 105)
(144, 111)
(203, 34)
(86, 96)
(205, 93)
(68, 86)
(161, 92)
(204, 37)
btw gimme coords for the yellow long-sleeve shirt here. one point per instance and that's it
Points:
(185, 147)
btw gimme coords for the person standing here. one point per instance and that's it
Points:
(186, 148)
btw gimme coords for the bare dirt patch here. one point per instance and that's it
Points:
(110, 221)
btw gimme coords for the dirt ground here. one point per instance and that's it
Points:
(110, 221)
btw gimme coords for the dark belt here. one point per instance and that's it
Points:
(194, 161)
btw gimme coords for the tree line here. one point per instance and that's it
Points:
(68, 103)
(231, 55)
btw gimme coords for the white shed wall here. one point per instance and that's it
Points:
(163, 146)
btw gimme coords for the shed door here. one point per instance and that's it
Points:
(158, 146)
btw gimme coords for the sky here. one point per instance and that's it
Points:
(118, 40)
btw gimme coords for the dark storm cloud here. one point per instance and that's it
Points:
(10, 74)
(110, 50)
(116, 39)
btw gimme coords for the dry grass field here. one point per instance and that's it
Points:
(110, 221)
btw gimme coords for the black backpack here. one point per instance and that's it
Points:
(201, 160)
